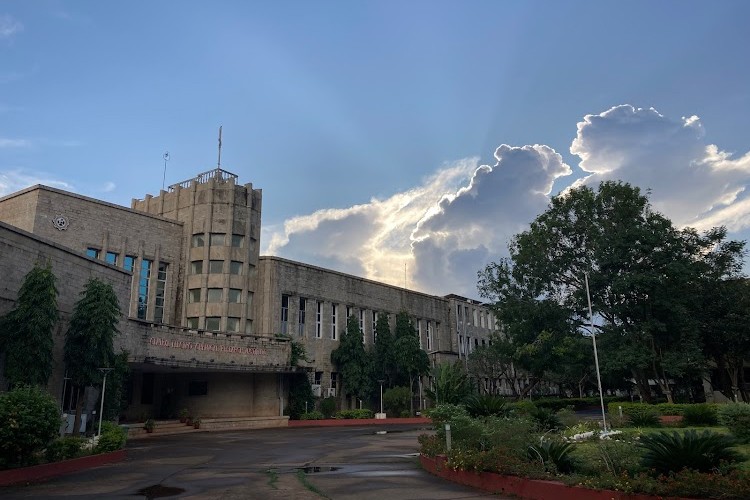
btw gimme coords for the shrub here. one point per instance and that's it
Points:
(430, 445)
(64, 448)
(546, 419)
(643, 416)
(671, 452)
(703, 414)
(523, 407)
(736, 416)
(29, 421)
(328, 407)
(113, 438)
(354, 414)
(312, 415)
(567, 417)
(486, 405)
(396, 400)
(550, 452)
(671, 408)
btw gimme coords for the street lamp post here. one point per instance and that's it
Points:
(596, 355)
(105, 371)
(380, 381)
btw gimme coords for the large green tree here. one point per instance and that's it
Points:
(451, 384)
(411, 361)
(353, 362)
(384, 362)
(26, 331)
(642, 274)
(89, 341)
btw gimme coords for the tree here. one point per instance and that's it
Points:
(452, 385)
(411, 360)
(26, 331)
(642, 274)
(384, 352)
(29, 421)
(353, 362)
(90, 337)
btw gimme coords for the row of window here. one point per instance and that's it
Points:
(234, 295)
(213, 323)
(474, 317)
(465, 345)
(217, 240)
(301, 321)
(217, 267)
(144, 277)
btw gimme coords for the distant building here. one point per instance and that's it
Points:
(203, 310)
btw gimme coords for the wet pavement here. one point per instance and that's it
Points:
(306, 463)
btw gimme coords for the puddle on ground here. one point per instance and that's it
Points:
(313, 470)
(159, 491)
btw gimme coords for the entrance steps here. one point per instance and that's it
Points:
(168, 427)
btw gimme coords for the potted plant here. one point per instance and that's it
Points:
(149, 425)
(184, 415)
(197, 422)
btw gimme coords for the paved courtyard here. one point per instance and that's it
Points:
(306, 463)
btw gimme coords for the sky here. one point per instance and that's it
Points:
(401, 141)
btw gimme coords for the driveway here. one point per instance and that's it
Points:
(307, 463)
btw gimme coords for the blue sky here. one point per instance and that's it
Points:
(366, 123)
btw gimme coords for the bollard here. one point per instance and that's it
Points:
(447, 437)
(620, 408)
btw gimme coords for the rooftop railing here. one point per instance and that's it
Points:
(216, 174)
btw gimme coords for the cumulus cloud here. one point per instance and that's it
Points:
(14, 143)
(691, 181)
(109, 186)
(17, 179)
(9, 26)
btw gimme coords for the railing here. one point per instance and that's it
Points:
(204, 177)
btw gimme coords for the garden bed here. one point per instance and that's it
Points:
(42, 472)
(531, 489)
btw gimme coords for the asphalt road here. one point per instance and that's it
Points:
(306, 463)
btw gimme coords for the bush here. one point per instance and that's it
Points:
(328, 407)
(396, 400)
(671, 408)
(112, 438)
(405, 414)
(64, 448)
(29, 421)
(553, 453)
(671, 452)
(312, 415)
(736, 416)
(442, 414)
(523, 407)
(641, 415)
(546, 419)
(355, 414)
(486, 405)
(704, 414)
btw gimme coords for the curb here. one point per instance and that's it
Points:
(38, 473)
(346, 422)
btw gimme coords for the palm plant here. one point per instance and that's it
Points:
(486, 405)
(673, 452)
(553, 452)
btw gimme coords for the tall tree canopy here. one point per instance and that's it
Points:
(353, 362)
(90, 337)
(411, 360)
(26, 331)
(643, 274)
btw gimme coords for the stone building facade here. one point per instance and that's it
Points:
(206, 314)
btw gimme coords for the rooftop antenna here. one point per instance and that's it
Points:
(218, 164)
(164, 177)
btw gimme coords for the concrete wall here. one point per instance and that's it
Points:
(20, 251)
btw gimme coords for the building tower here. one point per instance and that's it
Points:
(218, 268)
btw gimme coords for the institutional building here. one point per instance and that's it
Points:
(207, 320)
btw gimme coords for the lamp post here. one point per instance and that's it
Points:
(596, 355)
(105, 371)
(380, 381)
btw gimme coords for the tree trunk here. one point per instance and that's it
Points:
(411, 396)
(641, 382)
(528, 388)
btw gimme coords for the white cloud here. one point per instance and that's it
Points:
(9, 26)
(109, 186)
(691, 181)
(14, 143)
(17, 179)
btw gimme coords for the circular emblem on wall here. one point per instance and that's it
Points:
(60, 222)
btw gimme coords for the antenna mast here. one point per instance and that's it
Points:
(164, 177)
(218, 164)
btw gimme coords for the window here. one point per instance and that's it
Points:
(235, 295)
(284, 313)
(217, 239)
(249, 303)
(111, 258)
(143, 288)
(238, 240)
(419, 332)
(129, 263)
(92, 252)
(374, 326)
(248, 326)
(215, 295)
(196, 267)
(318, 319)
(429, 336)
(194, 295)
(362, 324)
(215, 266)
(213, 323)
(235, 267)
(233, 324)
(161, 285)
(197, 240)
(197, 388)
(318, 378)
(301, 317)
(334, 377)
(475, 317)
(333, 321)
(192, 323)
(460, 344)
